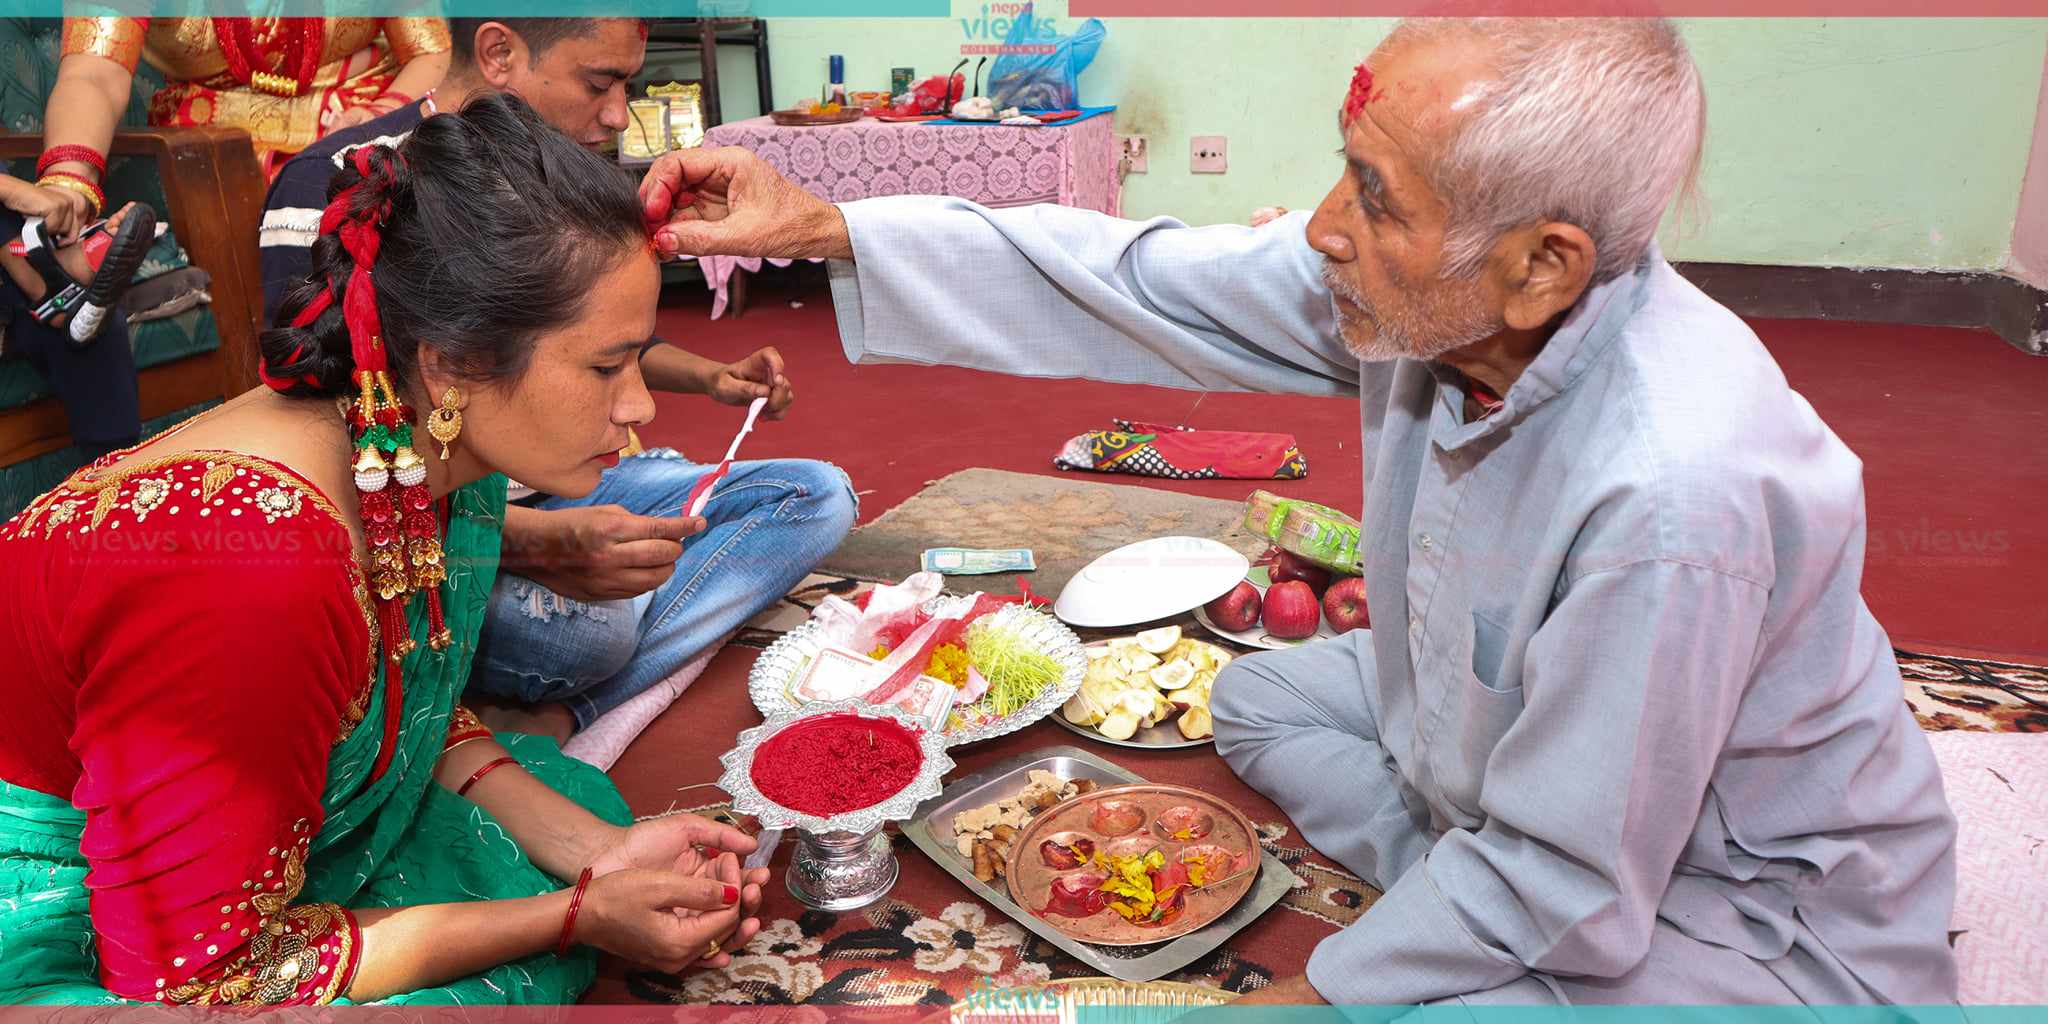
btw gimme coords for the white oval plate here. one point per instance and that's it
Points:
(1150, 580)
(1257, 635)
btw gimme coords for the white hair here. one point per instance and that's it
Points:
(1596, 122)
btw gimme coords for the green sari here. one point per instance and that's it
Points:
(399, 840)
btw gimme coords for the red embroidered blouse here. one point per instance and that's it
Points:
(188, 637)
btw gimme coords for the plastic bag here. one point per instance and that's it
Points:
(1032, 80)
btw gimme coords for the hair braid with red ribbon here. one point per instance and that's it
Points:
(401, 523)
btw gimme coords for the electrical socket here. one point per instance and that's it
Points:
(1209, 154)
(1134, 148)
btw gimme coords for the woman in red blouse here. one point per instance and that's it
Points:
(233, 768)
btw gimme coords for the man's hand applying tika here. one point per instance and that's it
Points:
(729, 202)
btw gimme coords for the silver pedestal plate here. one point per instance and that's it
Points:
(844, 861)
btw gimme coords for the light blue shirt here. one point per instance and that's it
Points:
(1623, 671)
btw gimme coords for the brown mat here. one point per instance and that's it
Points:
(1066, 522)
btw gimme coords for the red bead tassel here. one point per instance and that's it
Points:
(397, 641)
(438, 636)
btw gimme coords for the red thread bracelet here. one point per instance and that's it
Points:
(71, 153)
(569, 921)
(479, 774)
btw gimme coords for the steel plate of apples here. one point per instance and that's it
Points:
(1291, 603)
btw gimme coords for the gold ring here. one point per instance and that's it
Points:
(711, 949)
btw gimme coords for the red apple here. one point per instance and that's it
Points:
(1344, 605)
(1236, 611)
(1291, 566)
(1291, 611)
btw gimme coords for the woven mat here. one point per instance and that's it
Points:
(1066, 522)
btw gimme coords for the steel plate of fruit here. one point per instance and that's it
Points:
(1134, 865)
(1157, 700)
(1259, 633)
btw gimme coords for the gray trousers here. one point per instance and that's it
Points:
(1296, 726)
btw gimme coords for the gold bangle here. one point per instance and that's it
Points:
(91, 194)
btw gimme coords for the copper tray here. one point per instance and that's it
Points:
(798, 119)
(1216, 825)
(932, 832)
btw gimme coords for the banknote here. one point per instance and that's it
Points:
(977, 561)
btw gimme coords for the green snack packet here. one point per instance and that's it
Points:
(1318, 533)
(1323, 536)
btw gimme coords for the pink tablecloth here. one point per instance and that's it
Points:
(1073, 165)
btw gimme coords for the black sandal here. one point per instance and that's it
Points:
(114, 255)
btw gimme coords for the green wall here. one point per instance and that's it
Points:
(1897, 143)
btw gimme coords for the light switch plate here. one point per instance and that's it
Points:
(1209, 154)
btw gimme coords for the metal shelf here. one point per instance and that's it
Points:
(706, 35)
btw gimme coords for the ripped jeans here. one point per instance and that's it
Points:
(769, 523)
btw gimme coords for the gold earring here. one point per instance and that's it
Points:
(446, 422)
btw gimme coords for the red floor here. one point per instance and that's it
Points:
(1951, 424)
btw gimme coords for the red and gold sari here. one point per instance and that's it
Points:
(283, 80)
(191, 804)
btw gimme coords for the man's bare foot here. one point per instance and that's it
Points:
(553, 720)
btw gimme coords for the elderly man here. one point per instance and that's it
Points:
(1623, 730)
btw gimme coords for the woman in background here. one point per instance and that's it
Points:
(285, 81)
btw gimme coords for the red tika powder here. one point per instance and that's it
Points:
(834, 763)
(1359, 94)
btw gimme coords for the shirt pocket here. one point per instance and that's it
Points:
(1472, 718)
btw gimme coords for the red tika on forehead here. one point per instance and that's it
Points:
(1360, 94)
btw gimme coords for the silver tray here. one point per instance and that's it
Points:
(776, 670)
(931, 830)
(1164, 736)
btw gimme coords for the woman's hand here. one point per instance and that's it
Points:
(62, 210)
(695, 847)
(662, 919)
(669, 843)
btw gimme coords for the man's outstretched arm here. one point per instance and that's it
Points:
(1043, 291)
